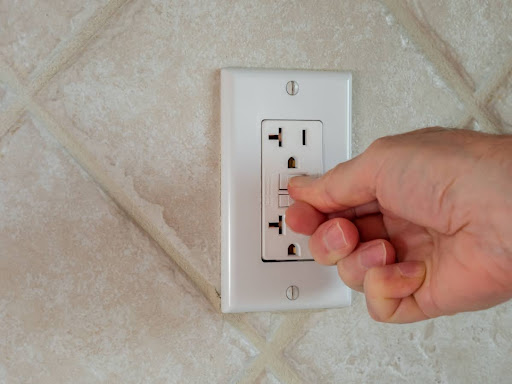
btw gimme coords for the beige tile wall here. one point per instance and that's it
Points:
(109, 185)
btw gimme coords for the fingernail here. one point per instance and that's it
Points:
(301, 181)
(373, 256)
(412, 269)
(334, 238)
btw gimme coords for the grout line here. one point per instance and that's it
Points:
(116, 192)
(10, 116)
(237, 321)
(256, 367)
(292, 325)
(271, 354)
(67, 50)
(485, 94)
(465, 121)
(284, 372)
(446, 69)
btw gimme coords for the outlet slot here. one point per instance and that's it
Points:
(303, 137)
(294, 250)
(292, 163)
(278, 137)
(278, 224)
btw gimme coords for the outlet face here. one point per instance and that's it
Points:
(276, 124)
(288, 148)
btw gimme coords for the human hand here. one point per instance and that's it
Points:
(421, 222)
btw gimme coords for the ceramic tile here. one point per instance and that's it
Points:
(267, 377)
(502, 105)
(475, 35)
(348, 346)
(85, 295)
(30, 30)
(144, 96)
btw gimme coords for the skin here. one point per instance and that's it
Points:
(420, 222)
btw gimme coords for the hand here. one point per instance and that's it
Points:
(421, 222)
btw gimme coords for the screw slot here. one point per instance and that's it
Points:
(292, 87)
(292, 293)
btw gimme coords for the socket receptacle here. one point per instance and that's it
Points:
(288, 148)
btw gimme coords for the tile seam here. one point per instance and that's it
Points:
(486, 93)
(10, 116)
(271, 356)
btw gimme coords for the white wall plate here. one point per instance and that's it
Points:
(248, 98)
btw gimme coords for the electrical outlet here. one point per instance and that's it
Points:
(288, 148)
(276, 124)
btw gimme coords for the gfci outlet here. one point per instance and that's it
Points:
(277, 124)
(288, 148)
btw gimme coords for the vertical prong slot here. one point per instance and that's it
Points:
(303, 137)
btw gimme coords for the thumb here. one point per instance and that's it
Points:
(389, 292)
(349, 184)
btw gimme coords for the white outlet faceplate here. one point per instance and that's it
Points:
(271, 132)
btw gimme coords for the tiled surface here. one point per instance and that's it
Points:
(477, 38)
(348, 346)
(155, 121)
(86, 295)
(30, 30)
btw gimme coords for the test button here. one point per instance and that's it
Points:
(285, 201)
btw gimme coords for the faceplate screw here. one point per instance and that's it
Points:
(292, 293)
(292, 87)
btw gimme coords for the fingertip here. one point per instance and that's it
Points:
(300, 187)
(302, 218)
(353, 268)
(301, 181)
(333, 240)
